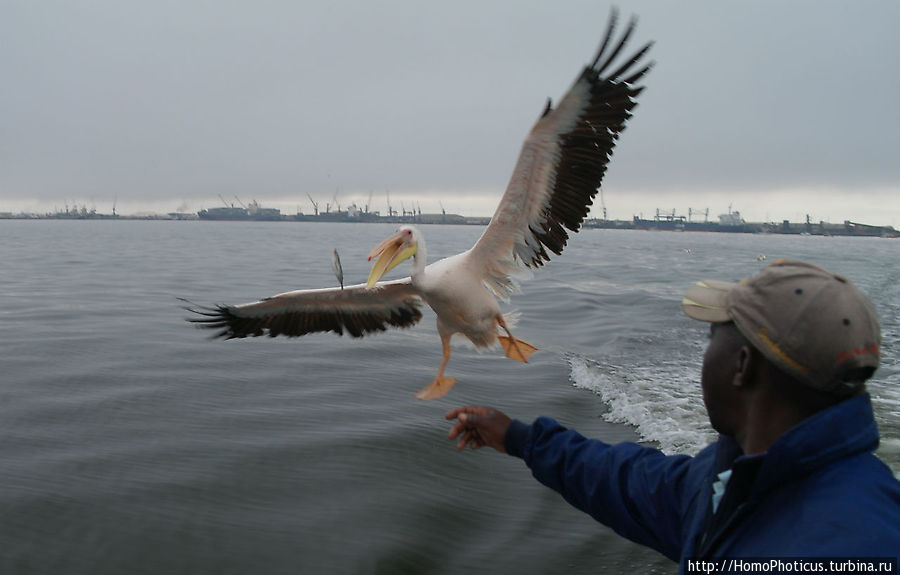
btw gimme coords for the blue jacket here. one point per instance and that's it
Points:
(819, 491)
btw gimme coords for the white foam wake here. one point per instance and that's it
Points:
(662, 402)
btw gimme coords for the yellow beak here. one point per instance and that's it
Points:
(393, 251)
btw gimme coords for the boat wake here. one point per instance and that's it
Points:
(663, 403)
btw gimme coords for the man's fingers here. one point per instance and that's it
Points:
(477, 426)
(463, 441)
(470, 438)
(465, 421)
(467, 409)
(456, 430)
(454, 413)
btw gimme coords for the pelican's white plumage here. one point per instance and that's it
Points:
(558, 172)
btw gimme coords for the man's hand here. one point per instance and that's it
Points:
(478, 426)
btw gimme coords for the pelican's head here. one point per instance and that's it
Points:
(393, 251)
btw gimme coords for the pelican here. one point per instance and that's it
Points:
(559, 170)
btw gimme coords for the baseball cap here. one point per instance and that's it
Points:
(811, 323)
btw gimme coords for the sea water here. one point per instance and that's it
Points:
(132, 443)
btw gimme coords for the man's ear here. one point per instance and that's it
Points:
(747, 362)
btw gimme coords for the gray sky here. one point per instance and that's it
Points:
(778, 108)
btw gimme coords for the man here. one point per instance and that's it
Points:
(792, 473)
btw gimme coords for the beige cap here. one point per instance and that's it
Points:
(811, 323)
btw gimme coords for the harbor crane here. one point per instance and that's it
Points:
(692, 212)
(334, 202)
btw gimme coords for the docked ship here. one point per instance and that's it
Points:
(730, 222)
(251, 212)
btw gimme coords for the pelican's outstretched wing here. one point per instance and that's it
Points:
(561, 165)
(354, 309)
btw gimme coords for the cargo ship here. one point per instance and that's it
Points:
(252, 212)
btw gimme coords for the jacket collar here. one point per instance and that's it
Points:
(840, 431)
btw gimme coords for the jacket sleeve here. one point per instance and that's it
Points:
(639, 492)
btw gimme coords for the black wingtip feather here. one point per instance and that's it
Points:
(231, 325)
(588, 147)
(607, 38)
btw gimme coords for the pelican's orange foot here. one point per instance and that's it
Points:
(516, 348)
(437, 388)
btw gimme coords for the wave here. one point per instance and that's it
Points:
(657, 402)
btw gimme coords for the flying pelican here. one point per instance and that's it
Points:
(558, 173)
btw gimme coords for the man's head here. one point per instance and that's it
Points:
(811, 324)
(784, 344)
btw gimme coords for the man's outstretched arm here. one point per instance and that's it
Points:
(638, 491)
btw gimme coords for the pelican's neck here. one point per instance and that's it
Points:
(419, 259)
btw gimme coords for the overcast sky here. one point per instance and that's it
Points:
(777, 108)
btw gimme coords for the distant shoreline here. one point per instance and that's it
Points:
(847, 228)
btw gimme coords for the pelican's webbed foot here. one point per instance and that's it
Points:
(516, 348)
(437, 388)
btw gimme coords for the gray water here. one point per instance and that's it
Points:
(131, 443)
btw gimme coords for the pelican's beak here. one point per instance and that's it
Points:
(394, 251)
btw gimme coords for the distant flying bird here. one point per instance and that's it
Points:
(558, 173)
